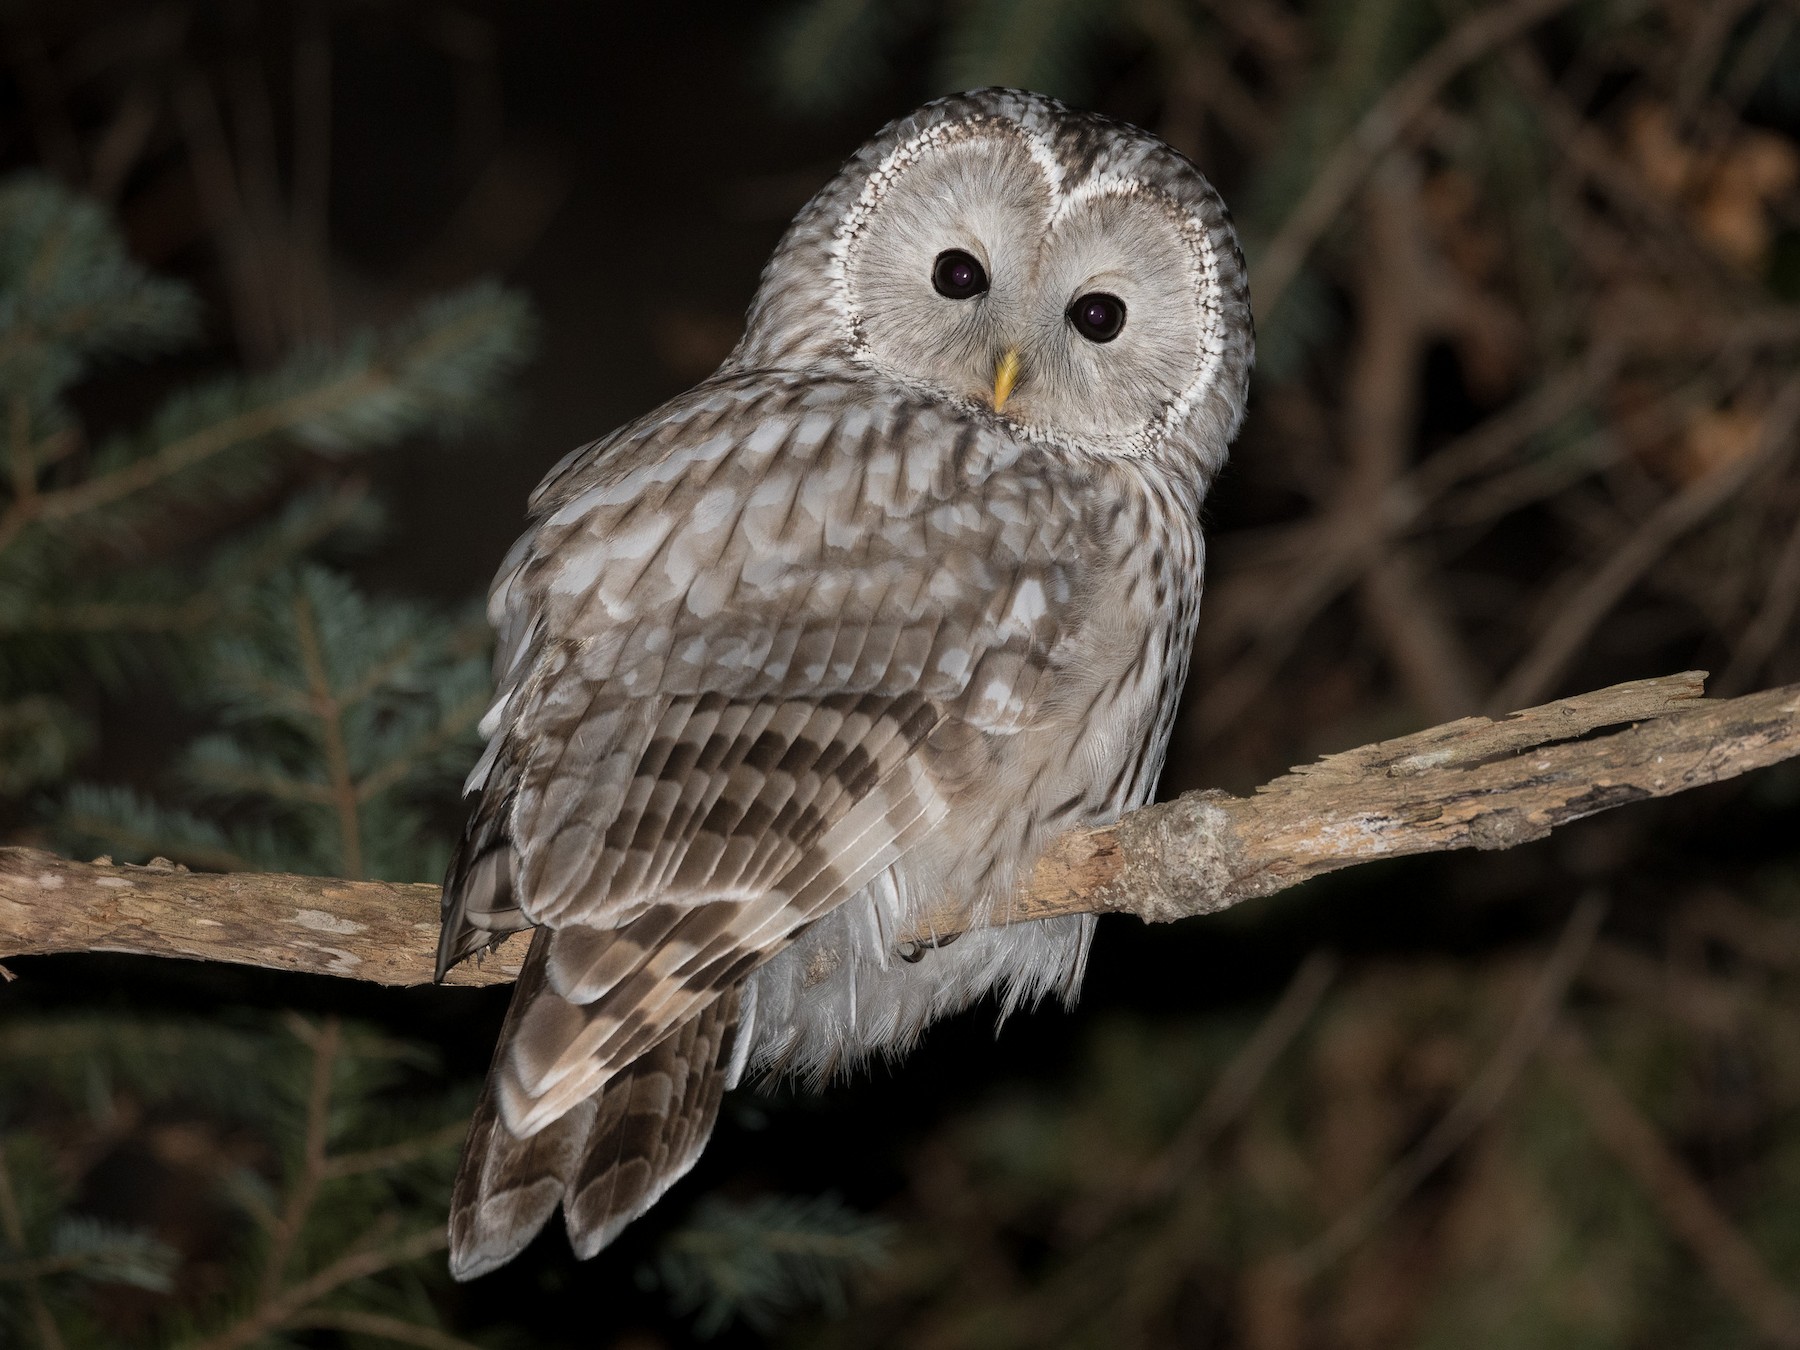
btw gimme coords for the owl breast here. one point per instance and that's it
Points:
(1089, 749)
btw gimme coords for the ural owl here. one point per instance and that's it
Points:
(844, 634)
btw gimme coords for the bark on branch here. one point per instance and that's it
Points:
(1475, 783)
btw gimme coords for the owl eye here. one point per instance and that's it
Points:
(957, 276)
(1098, 317)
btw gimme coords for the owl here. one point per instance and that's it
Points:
(839, 639)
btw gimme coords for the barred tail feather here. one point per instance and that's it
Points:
(607, 1160)
(654, 1120)
(508, 1187)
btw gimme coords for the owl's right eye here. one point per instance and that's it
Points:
(957, 276)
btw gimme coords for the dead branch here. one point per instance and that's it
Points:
(1483, 1096)
(1579, 613)
(1474, 783)
(1402, 104)
(1734, 1266)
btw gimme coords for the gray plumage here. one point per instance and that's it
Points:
(832, 639)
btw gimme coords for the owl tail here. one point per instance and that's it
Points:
(607, 1160)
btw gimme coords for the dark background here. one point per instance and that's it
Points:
(1620, 186)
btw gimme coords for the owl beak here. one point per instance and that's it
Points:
(1006, 375)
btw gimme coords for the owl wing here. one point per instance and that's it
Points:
(751, 652)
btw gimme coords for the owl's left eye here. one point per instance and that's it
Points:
(1098, 317)
(958, 276)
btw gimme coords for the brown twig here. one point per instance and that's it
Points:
(1660, 989)
(1577, 615)
(1475, 783)
(120, 147)
(1730, 1262)
(1236, 1087)
(221, 197)
(1269, 600)
(1483, 1096)
(24, 468)
(1781, 597)
(1761, 939)
(1200, 81)
(1407, 298)
(1405, 100)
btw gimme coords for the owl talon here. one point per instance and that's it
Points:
(913, 950)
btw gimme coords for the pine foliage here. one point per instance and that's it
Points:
(97, 534)
(319, 1156)
(71, 295)
(340, 718)
(340, 723)
(756, 1260)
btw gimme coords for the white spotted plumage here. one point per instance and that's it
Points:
(836, 639)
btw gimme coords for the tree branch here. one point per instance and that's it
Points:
(1403, 102)
(1474, 783)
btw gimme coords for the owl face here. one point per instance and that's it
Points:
(971, 270)
(1068, 275)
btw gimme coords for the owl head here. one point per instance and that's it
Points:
(1066, 274)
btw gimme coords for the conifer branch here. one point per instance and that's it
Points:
(394, 1155)
(293, 1305)
(1474, 783)
(455, 722)
(13, 1229)
(324, 1043)
(243, 569)
(329, 712)
(252, 425)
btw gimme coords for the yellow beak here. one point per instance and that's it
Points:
(1006, 375)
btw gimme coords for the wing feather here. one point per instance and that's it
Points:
(741, 673)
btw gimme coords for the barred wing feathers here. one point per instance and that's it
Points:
(751, 651)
